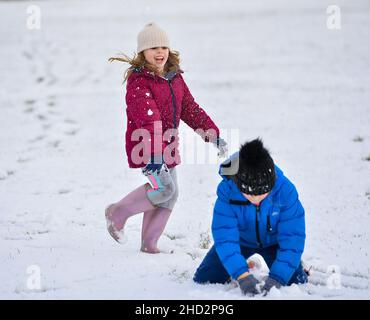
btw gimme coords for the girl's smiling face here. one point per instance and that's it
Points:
(157, 57)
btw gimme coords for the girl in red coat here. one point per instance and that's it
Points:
(157, 99)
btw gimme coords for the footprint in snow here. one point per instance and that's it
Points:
(3, 174)
(27, 55)
(71, 132)
(46, 126)
(64, 191)
(51, 104)
(41, 117)
(23, 160)
(37, 138)
(70, 121)
(29, 110)
(30, 101)
(54, 143)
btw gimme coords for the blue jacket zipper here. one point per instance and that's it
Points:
(258, 227)
(269, 228)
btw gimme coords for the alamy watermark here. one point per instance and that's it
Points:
(334, 20)
(34, 278)
(334, 280)
(193, 150)
(33, 21)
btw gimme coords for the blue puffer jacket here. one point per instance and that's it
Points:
(278, 220)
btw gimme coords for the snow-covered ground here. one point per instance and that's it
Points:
(264, 68)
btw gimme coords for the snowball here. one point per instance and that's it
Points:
(150, 112)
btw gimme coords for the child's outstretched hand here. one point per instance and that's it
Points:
(221, 145)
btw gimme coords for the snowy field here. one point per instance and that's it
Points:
(263, 68)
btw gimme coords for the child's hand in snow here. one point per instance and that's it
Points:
(248, 285)
(269, 283)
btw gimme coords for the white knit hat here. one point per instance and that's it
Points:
(150, 37)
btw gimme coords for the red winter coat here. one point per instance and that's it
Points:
(153, 101)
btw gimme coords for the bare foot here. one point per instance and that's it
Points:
(148, 249)
(117, 234)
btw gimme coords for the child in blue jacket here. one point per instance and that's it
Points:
(257, 211)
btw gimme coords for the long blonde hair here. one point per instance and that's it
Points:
(138, 61)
